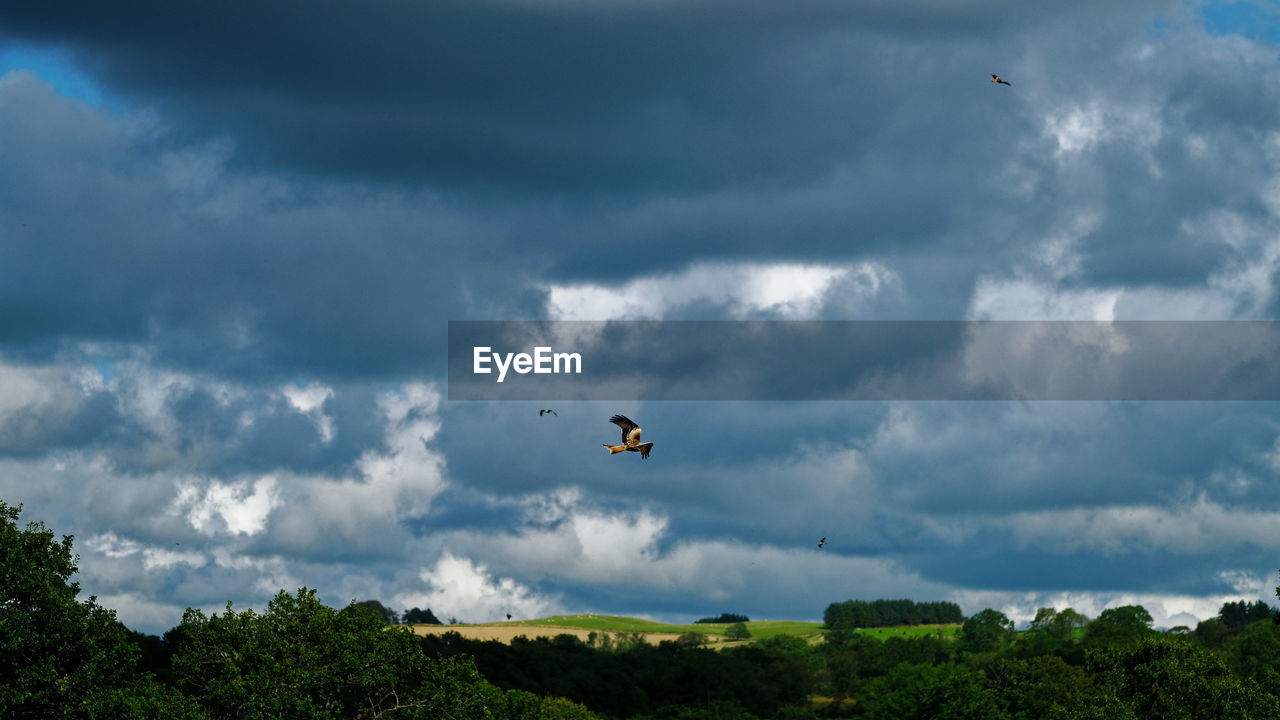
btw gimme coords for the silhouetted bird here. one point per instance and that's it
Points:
(630, 437)
(822, 542)
(544, 412)
(996, 79)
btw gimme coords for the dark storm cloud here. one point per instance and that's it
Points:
(665, 134)
(95, 422)
(868, 360)
(110, 236)
(931, 486)
(564, 96)
(311, 191)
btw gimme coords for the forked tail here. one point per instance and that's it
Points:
(615, 448)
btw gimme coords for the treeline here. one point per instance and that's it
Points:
(61, 657)
(852, 614)
(413, 616)
(1065, 666)
(625, 677)
(724, 618)
(1236, 615)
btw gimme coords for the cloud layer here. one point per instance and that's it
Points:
(230, 243)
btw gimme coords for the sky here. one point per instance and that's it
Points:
(232, 237)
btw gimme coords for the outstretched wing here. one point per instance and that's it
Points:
(630, 430)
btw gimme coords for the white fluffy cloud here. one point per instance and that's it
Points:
(1198, 527)
(309, 400)
(459, 587)
(242, 508)
(789, 291)
(205, 537)
(632, 552)
(397, 481)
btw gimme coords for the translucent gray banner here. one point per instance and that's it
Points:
(907, 360)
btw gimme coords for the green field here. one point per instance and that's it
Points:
(885, 633)
(758, 629)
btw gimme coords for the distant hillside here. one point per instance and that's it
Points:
(616, 623)
(654, 632)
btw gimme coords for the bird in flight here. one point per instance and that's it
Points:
(630, 437)
(822, 542)
(996, 79)
(544, 412)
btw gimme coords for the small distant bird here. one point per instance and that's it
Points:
(630, 437)
(822, 542)
(544, 412)
(996, 79)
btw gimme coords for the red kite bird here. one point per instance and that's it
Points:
(544, 412)
(996, 79)
(630, 437)
(822, 542)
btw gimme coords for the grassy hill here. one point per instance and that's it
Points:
(619, 624)
(615, 624)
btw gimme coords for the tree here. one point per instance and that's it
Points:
(690, 639)
(1042, 687)
(882, 613)
(380, 611)
(417, 616)
(1212, 633)
(737, 631)
(1060, 625)
(1239, 614)
(724, 618)
(928, 691)
(985, 631)
(301, 659)
(1161, 676)
(59, 657)
(1118, 625)
(1130, 617)
(1255, 653)
(558, 708)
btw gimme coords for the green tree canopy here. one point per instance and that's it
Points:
(301, 659)
(929, 691)
(883, 613)
(1240, 614)
(724, 618)
(1130, 617)
(1118, 625)
(1160, 676)
(1212, 633)
(417, 616)
(986, 631)
(59, 657)
(1255, 653)
(1060, 625)
(380, 611)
